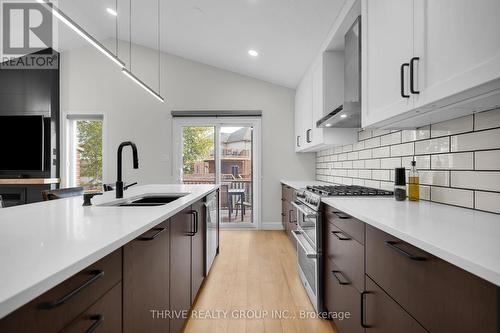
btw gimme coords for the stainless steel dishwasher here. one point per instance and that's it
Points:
(212, 229)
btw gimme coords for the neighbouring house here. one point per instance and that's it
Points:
(236, 159)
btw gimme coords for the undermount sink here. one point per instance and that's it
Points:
(147, 200)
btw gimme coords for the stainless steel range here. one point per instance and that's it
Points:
(309, 233)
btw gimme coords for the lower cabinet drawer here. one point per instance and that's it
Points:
(383, 315)
(441, 296)
(59, 306)
(343, 301)
(349, 224)
(104, 316)
(347, 254)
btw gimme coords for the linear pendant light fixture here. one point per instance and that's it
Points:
(128, 72)
(76, 28)
(142, 84)
(95, 43)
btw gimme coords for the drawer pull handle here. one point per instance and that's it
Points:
(341, 215)
(342, 235)
(153, 236)
(342, 281)
(394, 245)
(96, 275)
(362, 317)
(97, 321)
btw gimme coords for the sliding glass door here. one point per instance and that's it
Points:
(224, 152)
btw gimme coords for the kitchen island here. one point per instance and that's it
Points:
(44, 244)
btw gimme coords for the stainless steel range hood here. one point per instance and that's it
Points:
(348, 115)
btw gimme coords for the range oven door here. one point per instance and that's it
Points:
(308, 261)
(307, 223)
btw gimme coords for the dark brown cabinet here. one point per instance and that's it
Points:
(344, 272)
(347, 254)
(197, 248)
(181, 229)
(430, 289)
(152, 282)
(383, 315)
(104, 316)
(343, 298)
(59, 306)
(146, 281)
(391, 286)
(288, 212)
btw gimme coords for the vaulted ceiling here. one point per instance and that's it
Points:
(286, 33)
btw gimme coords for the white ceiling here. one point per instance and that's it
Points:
(287, 34)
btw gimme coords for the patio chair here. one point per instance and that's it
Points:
(225, 200)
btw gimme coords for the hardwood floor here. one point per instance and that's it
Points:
(255, 270)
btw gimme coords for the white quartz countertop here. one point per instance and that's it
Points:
(299, 184)
(466, 238)
(43, 244)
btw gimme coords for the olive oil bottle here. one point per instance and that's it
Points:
(414, 183)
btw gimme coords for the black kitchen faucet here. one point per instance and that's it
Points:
(119, 181)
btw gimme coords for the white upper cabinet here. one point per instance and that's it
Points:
(387, 47)
(428, 60)
(320, 91)
(458, 42)
(317, 102)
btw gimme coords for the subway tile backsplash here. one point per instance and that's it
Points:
(458, 160)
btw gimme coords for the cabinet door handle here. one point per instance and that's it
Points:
(342, 235)
(362, 317)
(197, 222)
(96, 275)
(97, 321)
(298, 141)
(342, 281)
(194, 222)
(308, 135)
(403, 94)
(412, 75)
(341, 215)
(153, 236)
(394, 245)
(290, 213)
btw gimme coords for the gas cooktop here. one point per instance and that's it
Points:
(347, 190)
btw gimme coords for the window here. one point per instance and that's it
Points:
(85, 153)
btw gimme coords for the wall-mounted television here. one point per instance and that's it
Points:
(21, 143)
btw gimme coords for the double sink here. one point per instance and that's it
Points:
(146, 200)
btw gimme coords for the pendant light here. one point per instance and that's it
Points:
(79, 30)
(128, 72)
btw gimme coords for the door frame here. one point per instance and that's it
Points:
(217, 122)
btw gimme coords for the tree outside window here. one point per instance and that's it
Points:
(89, 154)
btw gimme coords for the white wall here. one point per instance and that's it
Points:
(90, 83)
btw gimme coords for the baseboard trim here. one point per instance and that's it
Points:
(271, 226)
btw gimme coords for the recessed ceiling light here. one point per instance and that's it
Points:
(328, 125)
(111, 11)
(343, 116)
(253, 53)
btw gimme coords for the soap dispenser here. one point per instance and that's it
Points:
(414, 183)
